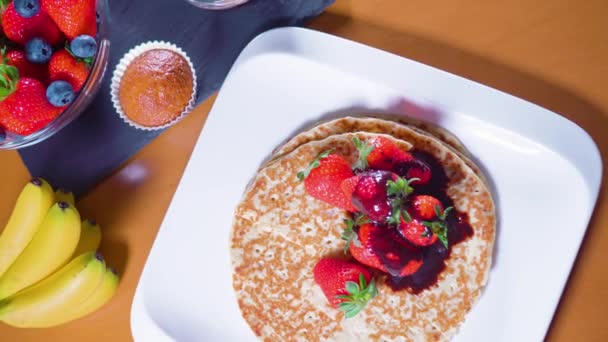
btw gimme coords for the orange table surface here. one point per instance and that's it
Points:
(551, 52)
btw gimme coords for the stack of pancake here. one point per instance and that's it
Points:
(279, 233)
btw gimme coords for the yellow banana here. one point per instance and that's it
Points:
(50, 248)
(39, 305)
(32, 205)
(62, 195)
(100, 296)
(90, 237)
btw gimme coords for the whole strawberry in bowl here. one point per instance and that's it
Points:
(52, 62)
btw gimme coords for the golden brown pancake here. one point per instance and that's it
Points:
(279, 233)
(398, 127)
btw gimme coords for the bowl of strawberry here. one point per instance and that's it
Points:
(54, 54)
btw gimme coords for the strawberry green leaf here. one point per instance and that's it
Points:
(443, 215)
(406, 216)
(358, 296)
(4, 4)
(443, 238)
(362, 281)
(364, 150)
(3, 81)
(12, 72)
(395, 217)
(360, 220)
(349, 235)
(439, 228)
(352, 287)
(4, 93)
(400, 187)
(313, 164)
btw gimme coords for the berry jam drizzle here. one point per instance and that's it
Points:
(396, 253)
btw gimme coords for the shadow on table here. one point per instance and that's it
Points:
(110, 207)
(491, 73)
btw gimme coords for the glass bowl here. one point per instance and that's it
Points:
(83, 98)
(216, 4)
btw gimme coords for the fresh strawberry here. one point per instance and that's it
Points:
(425, 233)
(415, 169)
(417, 233)
(380, 248)
(74, 17)
(361, 248)
(380, 195)
(25, 109)
(64, 66)
(426, 207)
(370, 195)
(17, 59)
(384, 154)
(20, 30)
(347, 285)
(323, 179)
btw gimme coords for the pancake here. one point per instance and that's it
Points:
(420, 126)
(399, 128)
(279, 233)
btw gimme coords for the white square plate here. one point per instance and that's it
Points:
(545, 173)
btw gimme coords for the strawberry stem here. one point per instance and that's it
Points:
(313, 164)
(364, 150)
(440, 228)
(398, 192)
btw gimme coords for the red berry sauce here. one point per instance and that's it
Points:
(395, 252)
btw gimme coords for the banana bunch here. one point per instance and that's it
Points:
(50, 272)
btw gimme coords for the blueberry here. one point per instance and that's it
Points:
(2, 134)
(27, 8)
(83, 46)
(37, 50)
(60, 93)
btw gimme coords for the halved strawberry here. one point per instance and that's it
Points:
(323, 179)
(347, 285)
(361, 249)
(379, 247)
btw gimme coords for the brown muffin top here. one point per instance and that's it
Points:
(156, 87)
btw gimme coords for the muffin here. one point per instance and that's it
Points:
(154, 86)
